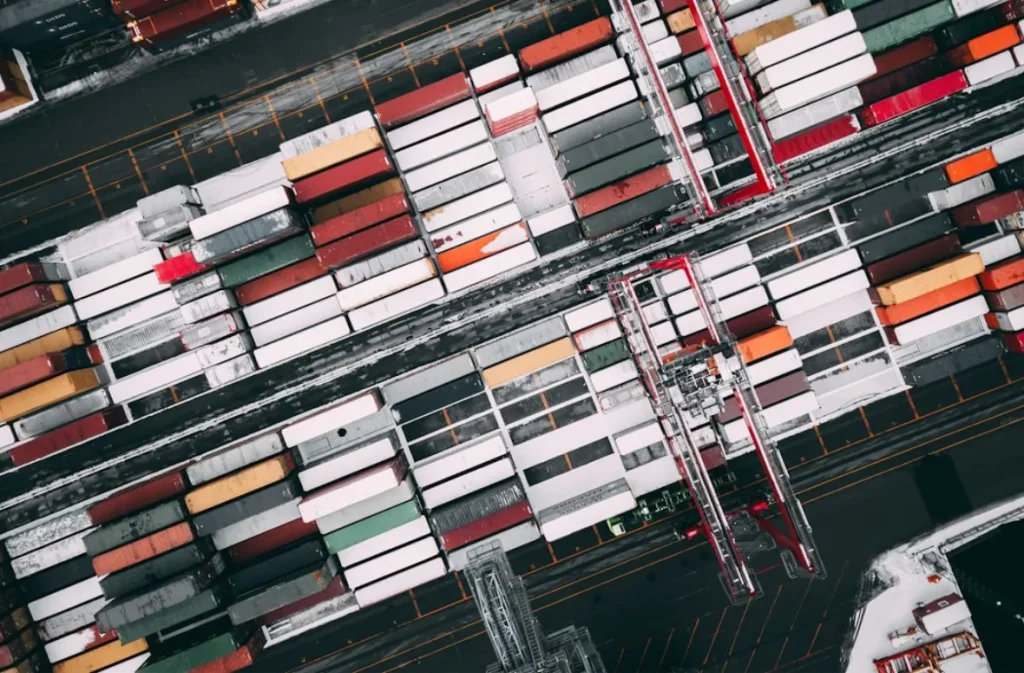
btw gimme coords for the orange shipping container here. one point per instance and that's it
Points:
(236, 485)
(992, 321)
(527, 363)
(101, 657)
(1003, 275)
(143, 549)
(680, 22)
(763, 344)
(53, 342)
(47, 393)
(967, 167)
(984, 46)
(361, 198)
(566, 45)
(926, 303)
(483, 247)
(922, 282)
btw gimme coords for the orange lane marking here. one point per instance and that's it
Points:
(664, 652)
(92, 190)
(231, 138)
(416, 605)
(320, 98)
(714, 637)
(415, 77)
(273, 115)
(184, 155)
(736, 635)
(138, 172)
(910, 401)
(455, 48)
(956, 387)
(366, 85)
(689, 643)
(501, 34)
(640, 666)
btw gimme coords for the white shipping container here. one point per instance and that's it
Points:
(551, 220)
(713, 265)
(129, 316)
(1012, 321)
(492, 266)
(384, 542)
(330, 419)
(220, 301)
(289, 300)
(810, 62)
(118, 296)
(822, 295)
(731, 8)
(995, 249)
(156, 377)
(223, 350)
(599, 334)
(308, 142)
(401, 255)
(395, 496)
(433, 124)
(839, 308)
(6, 436)
(591, 314)
(403, 581)
(441, 146)
(224, 189)
(814, 274)
(816, 113)
(637, 438)
(688, 115)
(40, 325)
(350, 491)
(238, 213)
(666, 50)
(296, 321)
(450, 166)
(771, 12)
(468, 206)
(390, 563)
(962, 192)
(788, 410)
(946, 317)
(591, 514)
(774, 367)
(116, 273)
(617, 374)
(71, 620)
(475, 227)
(162, 201)
(591, 106)
(574, 66)
(256, 525)
(723, 286)
(731, 307)
(471, 482)
(458, 460)
(66, 598)
(386, 284)
(655, 312)
(653, 476)
(654, 31)
(501, 92)
(494, 73)
(50, 555)
(509, 539)
(401, 302)
(1008, 148)
(47, 532)
(306, 340)
(229, 371)
(663, 333)
(990, 68)
(800, 41)
(513, 103)
(818, 85)
(1018, 52)
(583, 84)
(129, 665)
(965, 7)
(703, 161)
(346, 464)
(71, 644)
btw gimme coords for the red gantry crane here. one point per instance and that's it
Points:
(693, 384)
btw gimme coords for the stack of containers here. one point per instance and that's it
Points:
(165, 217)
(20, 645)
(1004, 291)
(358, 494)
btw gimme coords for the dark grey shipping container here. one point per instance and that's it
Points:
(697, 65)
(1010, 175)
(616, 168)
(970, 355)
(248, 236)
(179, 392)
(196, 287)
(439, 397)
(716, 128)
(896, 214)
(968, 28)
(56, 577)
(133, 527)
(727, 149)
(267, 570)
(607, 146)
(177, 590)
(678, 98)
(50, 23)
(137, 577)
(521, 341)
(562, 237)
(905, 238)
(905, 190)
(877, 13)
(206, 602)
(305, 583)
(210, 330)
(153, 355)
(738, 170)
(601, 125)
(255, 503)
(632, 211)
(477, 506)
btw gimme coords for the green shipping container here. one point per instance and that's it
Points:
(205, 602)
(200, 654)
(840, 5)
(266, 261)
(343, 538)
(908, 27)
(606, 355)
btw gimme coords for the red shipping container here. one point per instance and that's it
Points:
(178, 268)
(241, 658)
(29, 300)
(31, 372)
(359, 219)
(137, 9)
(44, 445)
(691, 43)
(983, 46)
(914, 99)
(989, 209)
(334, 589)
(423, 101)
(279, 281)
(1012, 10)
(669, 6)
(367, 242)
(137, 497)
(712, 457)
(715, 103)
(620, 192)
(904, 55)
(768, 394)
(880, 88)
(1004, 274)
(566, 45)
(1014, 341)
(348, 175)
(923, 255)
(20, 275)
(815, 138)
(742, 195)
(487, 526)
(1008, 299)
(512, 122)
(273, 539)
(741, 326)
(143, 549)
(180, 19)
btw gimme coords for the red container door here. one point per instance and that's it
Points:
(815, 138)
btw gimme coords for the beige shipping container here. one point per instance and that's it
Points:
(332, 154)
(51, 343)
(358, 200)
(930, 279)
(751, 40)
(47, 393)
(528, 363)
(238, 484)
(680, 22)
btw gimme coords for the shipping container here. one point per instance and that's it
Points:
(993, 250)
(289, 300)
(43, 367)
(278, 281)
(169, 225)
(101, 657)
(76, 643)
(236, 185)
(925, 281)
(339, 151)
(511, 112)
(433, 125)
(810, 62)
(252, 235)
(326, 135)
(1003, 275)
(940, 367)
(351, 490)
(768, 394)
(423, 101)
(247, 506)
(330, 419)
(115, 274)
(207, 331)
(308, 339)
(347, 463)
(167, 199)
(989, 209)
(143, 549)
(206, 602)
(275, 538)
(582, 84)
(816, 138)
(295, 321)
(1008, 299)
(599, 126)
(899, 58)
(47, 557)
(198, 649)
(631, 212)
(53, 579)
(930, 301)
(937, 320)
(35, 328)
(765, 344)
(880, 88)
(905, 238)
(134, 527)
(800, 41)
(70, 620)
(590, 106)
(390, 563)
(347, 176)
(47, 393)
(909, 26)
(821, 294)
(494, 73)
(243, 482)
(565, 45)
(137, 497)
(180, 20)
(817, 86)
(366, 242)
(962, 192)
(118, 296)
(286, 591)
(266, 522)
(984, 46)
(921, 256)
(586, 510)
(288, 560)
(274, 258)
(990, 68)
(64, 599)
(25, 273)
(178, 268)
(400, 582)
(359, 522)
(470, 482)
(241, 212)
(746, 42)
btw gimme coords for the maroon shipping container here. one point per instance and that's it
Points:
(815, 138)
(715, 103)
(669, 6)
(136, 9)
(180, 19)
(899, 81)
(359, 219)
(273, 539)
(1012, 10)
(902, 56)
(29, 300)
(344, 176)
(741, 326)
(137, 497)
(31, 372)
(22, 274)
(690, 42)
(769, 393)
(279, 281)
(989, 209)
(423, 101)
(44, 445)
(1008, 299)
(923, 255)
(487, 526)
(712, 457)
(367, 242)
(334, 589)
(913, 99)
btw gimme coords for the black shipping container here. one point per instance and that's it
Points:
(137, 577)
(301, 584)
(560, 238)
(57, 577)
(877, 13)
(969, 355)
(198, 647)
(183, 638)
(888, 218)
(439, 398)
(630, 212)
(213, 520)
(204, 603)
(147, 358)
(967, 28)
(905, 238)
(719, 127)
(607, 146)
(899, 81)
(161, 399)
(733, 172)
(968, 235)
(267, 570)
(28, 24)
(601, 125)
(678, 98)
(905, 190)
(616, 168)
(134, 527)
(1009, 176)
(727, 149)
(10, 599)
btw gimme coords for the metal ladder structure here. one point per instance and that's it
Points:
(928, 658)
